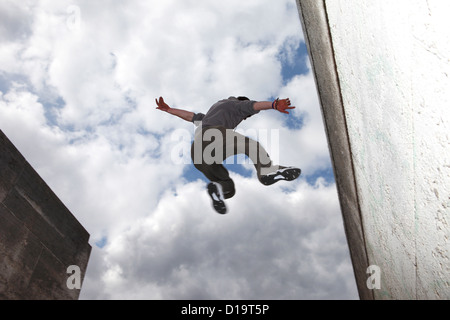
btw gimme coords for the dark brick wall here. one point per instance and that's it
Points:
(39, 236)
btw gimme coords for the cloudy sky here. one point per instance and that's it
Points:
(78, 82)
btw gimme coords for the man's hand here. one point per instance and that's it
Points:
(282, 105)
(162, 105)
(183, 114)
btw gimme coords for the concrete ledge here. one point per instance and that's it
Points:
(320, 48)
(381, 69)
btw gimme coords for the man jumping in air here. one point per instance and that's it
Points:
(215, 140)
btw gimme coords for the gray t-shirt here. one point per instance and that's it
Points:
(228, 113)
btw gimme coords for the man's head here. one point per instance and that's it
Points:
(240, 98)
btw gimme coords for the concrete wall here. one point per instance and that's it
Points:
(39, 237)
(382, 70)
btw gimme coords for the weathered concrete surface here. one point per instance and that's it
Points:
(382, 72)
(39, 237)
(317, 37)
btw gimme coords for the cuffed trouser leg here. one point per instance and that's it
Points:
(218, 173)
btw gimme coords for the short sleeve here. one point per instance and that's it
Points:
(246, 108)
(197, 117)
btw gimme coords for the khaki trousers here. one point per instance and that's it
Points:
(213, 145)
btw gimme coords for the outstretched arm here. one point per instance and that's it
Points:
(183, 114)
(280, 104)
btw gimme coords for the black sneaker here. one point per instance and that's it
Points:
(283, 173)
(216, 194)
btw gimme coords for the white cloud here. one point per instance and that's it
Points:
(84, 116)
(272, 245)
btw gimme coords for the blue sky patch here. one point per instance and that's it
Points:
(296, 65)
(102, 242)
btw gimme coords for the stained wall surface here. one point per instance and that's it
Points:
(39, 237)
(382, 71)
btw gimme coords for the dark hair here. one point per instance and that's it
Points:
(242, 98)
